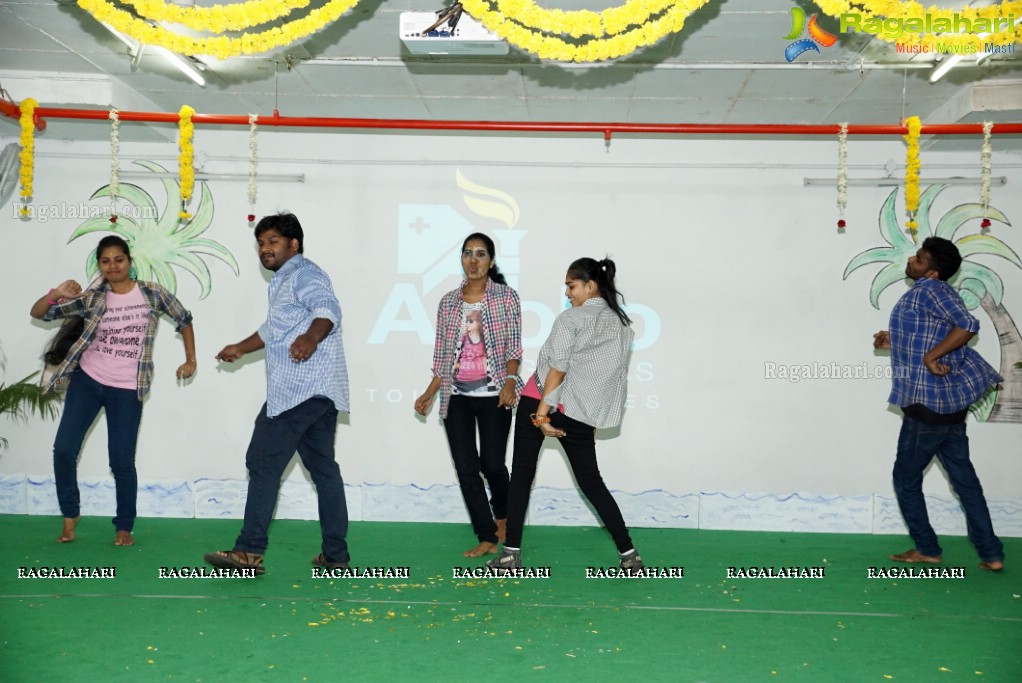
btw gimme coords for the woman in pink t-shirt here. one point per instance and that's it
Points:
(106, 363)
(475, 371)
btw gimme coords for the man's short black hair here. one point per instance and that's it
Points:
(944, 256)
(286, 224)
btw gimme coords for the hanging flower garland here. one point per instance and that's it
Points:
(912, 166)
(221, 47)
(253, 160)
(842, 174)
(578, 24)
(536, 41)
(218, 18)
(879, 10)
(27, 156)
(115, 162)
(984, 188)
(186, 161)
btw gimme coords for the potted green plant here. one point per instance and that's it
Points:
(24, 398)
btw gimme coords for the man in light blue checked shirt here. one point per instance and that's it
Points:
(937, 376)
(306, 386)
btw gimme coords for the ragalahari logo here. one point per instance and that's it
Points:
(817, 35)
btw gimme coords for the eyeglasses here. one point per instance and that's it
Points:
(478, 253)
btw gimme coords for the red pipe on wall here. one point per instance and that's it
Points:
(606, 129)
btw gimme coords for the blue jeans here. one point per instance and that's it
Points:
(85, 397)
(918, 443)
(309, 428)
(463, 415)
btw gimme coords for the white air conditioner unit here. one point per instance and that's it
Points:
(468, 38)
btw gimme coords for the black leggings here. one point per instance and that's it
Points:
(579, 444)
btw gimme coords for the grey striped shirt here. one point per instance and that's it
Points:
(591, 346)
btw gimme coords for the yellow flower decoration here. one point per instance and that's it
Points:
(218, 18)
(582, 23)
(912, 172)
(186, 160)
(27, 156)
(894, 9)
(221, 47)
(537, 40)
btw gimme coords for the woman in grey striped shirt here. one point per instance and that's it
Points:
(579, 386)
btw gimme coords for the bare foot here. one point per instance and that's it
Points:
(992, 566)
(913, 556)
(483, 548)
(68, 534)
(501, 529)
(124, 538)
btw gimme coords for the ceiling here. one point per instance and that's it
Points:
(726, 66)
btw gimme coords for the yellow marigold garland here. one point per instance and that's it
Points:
(912, 172)
(218, 18)
(186, 167)
(221, 47)
(578, 24)
(27, 155)
(896, 9)
(536, 41)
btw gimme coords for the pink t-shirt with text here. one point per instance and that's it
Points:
(112, 357)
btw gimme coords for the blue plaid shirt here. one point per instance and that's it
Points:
(299, 293)
(920, 320)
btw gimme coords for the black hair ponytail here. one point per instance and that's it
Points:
(601, 272)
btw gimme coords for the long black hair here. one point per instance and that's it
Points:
(494, 272)
(71, 330)
(602, 273)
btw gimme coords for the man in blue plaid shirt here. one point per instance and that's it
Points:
(937, 376)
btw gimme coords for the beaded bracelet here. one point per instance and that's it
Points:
(538, 420)
(51, 301)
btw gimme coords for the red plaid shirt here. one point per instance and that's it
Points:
(502, 320)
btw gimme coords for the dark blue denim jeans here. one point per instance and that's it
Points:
(579, 442)
(918, 443)
(309, 428)
(464, 415)
(85, 397)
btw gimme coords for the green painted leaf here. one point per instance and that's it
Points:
(895, 272)
(194, 265)
(974, 245)
(874, 255)
(214, 249)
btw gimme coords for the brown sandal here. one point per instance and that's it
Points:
(236, 559)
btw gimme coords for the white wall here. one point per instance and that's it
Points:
(729, 262)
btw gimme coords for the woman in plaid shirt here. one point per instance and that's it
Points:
(475, 370)
(109, 366)
(579, 386)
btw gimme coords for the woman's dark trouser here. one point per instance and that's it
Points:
(85, 397)
(464, 414)
(579, 444)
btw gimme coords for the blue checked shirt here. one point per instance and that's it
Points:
(299, 293)
(920, 320)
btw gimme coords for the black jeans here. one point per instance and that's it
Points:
(464, 414)
(579, 444)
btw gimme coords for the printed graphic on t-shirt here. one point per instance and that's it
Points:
(112, 357)
(473, 371)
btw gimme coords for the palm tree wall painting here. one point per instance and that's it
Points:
(978, 284)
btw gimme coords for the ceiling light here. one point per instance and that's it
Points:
(944, 67)
(136, 48)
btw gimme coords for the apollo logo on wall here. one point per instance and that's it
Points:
(429, 238)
